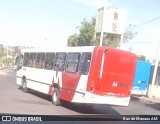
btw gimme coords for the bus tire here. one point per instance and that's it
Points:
(55, 97)
(24, 86)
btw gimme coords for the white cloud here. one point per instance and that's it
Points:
(94, 3)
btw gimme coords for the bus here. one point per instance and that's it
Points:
(88, 74)
(142, 78)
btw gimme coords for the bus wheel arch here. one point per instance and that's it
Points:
(55, 95)
(24, 84)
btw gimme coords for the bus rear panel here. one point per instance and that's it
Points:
(111, 82)
(142, 78)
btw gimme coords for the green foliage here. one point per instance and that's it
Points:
(16, 50)
(6, 61)
(2, 51)
(129, 33)
(111, 40)
(12, 51)
(85, 36)
(1, 61)
(9, 59)
(87, 32)
(141, 57)
(73, 40)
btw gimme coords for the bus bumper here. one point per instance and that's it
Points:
(109, 100)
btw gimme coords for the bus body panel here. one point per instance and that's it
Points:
(109, 100)
(70, 86)
(113, 87)
(142, 78)
(79, 96)
(37, 79)
(94, 74)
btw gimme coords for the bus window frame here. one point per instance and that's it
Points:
(24, 59)
(51, 65)
(74, 61)
(62, 67)
(84, 62)
(40, 63)
(32, 59)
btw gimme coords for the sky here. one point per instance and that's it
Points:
(51, 22)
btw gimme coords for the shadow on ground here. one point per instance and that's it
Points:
(155, 106)
(134, 98)
(80, 108)
(90, 108)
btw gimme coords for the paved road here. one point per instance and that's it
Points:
(14, 101)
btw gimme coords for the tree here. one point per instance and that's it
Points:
(8, 60)
(111, 40)
(85, 36)
(141, 57)
(87, 32)
(1, 51)
(129, 33)
(16, 50)
(73, 40)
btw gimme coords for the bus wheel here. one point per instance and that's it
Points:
(55, 96)
(24, 86)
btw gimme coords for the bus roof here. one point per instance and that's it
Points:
(144, 62)
(61, 49)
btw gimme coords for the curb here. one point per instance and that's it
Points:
(145, 98)
(152, 100)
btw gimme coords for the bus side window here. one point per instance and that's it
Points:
(72, 62)
(32, 60)
(84, 63)
(26, 59)
(60, 61)
(49, 61)
(40, 60)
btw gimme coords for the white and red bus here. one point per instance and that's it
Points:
(89, 74)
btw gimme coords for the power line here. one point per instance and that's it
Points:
(145, 42)
(145, 22)
(148, 21)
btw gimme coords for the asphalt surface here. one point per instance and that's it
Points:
(14, 101)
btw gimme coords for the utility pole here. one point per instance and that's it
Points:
(151, 90)
(121, 40)
(102, 32)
